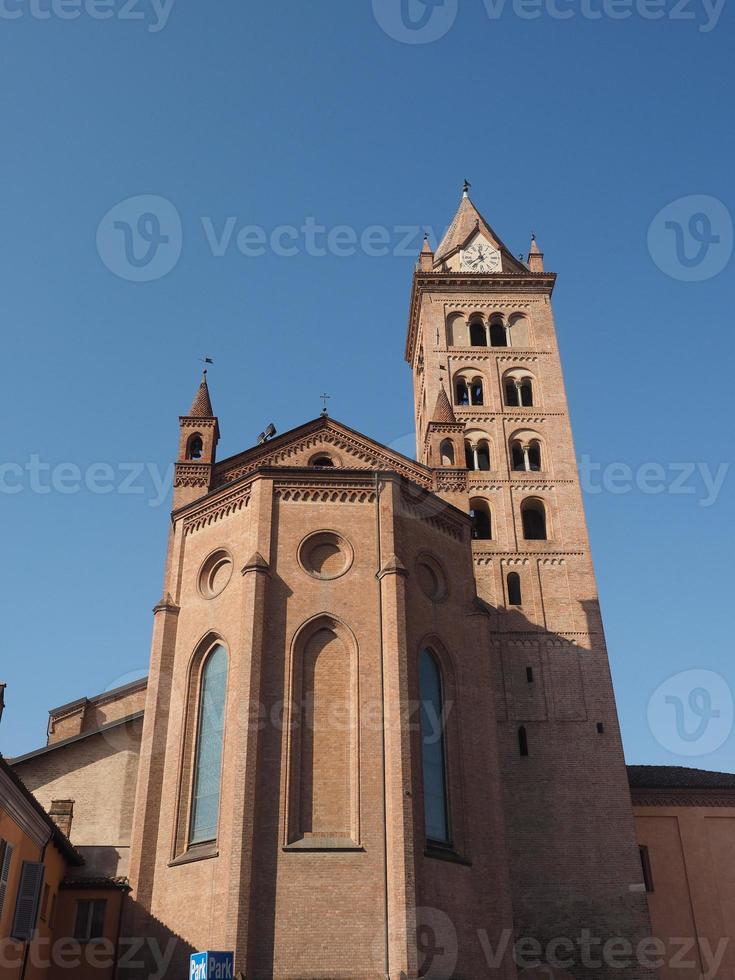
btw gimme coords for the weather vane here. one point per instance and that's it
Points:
(325, 398)
(205, 361)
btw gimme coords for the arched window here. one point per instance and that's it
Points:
(195, 447)
(483, 455)
(462, 392)
(523, 740)
(322, 461)
(534, 456)
(433, 754)
(208, 750)
(498, 334)
(469, 455)
(518, 457)
(533, 516)
(482, 528)
(511, 393)
(478, 334)
(446, 452)
(518, 391)
(476, 392)
(514, 589)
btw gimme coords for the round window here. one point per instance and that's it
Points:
(215, 574)
(325, 555)
(431, 578)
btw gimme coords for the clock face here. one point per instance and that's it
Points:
(480, 257)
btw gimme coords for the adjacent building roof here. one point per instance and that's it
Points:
(678, 777)
(60, 840)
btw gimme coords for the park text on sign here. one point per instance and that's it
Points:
(211, 966)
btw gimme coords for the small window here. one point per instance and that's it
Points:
(446, 452)
(469, 455)
(533, 516)
(476, 392)
(534, 456)
(44, 902)
(526, 392)
(478, 336)
(195, 448)
(529, 675)
(483, 455)
(523, 740)
(646, 866)
(514, 589)
(90, 920)
(6, 856)
(322, 461)
(27, 902)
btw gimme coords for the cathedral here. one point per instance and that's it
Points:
(378, 737)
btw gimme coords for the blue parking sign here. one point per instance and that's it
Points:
(212, 966)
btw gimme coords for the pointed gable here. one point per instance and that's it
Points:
(322, 443)
(466, 225)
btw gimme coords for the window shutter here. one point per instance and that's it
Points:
(26, 906)
(6, 854)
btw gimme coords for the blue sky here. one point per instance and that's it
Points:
(582, 129)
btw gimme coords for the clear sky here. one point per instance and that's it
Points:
(579, 119)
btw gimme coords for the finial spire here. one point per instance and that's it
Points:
(466, 188)
(325, 398)
(201, 407)
(535, 256)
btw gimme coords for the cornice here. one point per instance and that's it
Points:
(307, 491)
(192, 475)
(213, 510)
(683, 797)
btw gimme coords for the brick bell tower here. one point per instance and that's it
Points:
(491, 412)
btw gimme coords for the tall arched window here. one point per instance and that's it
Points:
(526, 392)
(433, 754)
(462, 392)
(514, 589)
(446, 451)
(518, 457)
(533, 516)
(482, 528)
(483, 455)
(478, 334)
(469, 455)
(195, 447)
(208, 751)
(498, 334)
(476, 396)
(512, 395)
(534, 456)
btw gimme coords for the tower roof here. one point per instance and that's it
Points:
(466, 223)
(201, 407)
(443, 411)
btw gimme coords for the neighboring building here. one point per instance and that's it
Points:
(327, 601)
(685, 822)
(45, 903)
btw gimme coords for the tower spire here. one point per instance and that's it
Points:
(201, 407)
(535, 256)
